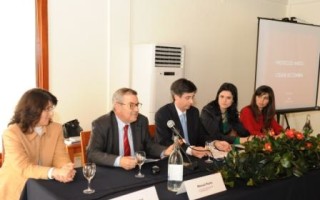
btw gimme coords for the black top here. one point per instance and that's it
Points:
(211, 120)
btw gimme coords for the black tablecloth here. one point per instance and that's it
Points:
(112, 182)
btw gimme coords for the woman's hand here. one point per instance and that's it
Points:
(222, 145)
(64, 174)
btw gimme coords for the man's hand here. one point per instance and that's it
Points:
(168, 150)
(128, 162)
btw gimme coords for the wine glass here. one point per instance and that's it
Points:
(141, 157)
(89, 170)
(208, 146)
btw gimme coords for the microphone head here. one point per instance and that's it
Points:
(170, 123)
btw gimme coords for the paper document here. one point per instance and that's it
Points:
(218, 154)
(72, 140)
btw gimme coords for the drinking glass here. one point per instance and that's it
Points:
(209, 146)
(141, 157)
(89, 170)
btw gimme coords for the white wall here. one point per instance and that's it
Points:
(90, 47)
(308, 12)
(219, 36)
(78, 58)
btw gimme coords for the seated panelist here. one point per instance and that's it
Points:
(34, 146)
(259, 117)
(116, 135)
(220, 117)
(186, 119)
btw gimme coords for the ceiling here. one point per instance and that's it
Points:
(294, 1)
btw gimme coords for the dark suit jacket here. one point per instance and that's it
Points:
(196, 133)
(103, 147)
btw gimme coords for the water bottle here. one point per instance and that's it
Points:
(175, 167)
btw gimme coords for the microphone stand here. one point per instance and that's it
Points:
(189, 165)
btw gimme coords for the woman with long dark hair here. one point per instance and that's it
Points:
(258, 117)
(220, 117)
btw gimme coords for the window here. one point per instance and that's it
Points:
(23, 52)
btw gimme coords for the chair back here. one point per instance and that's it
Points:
(2, 154)
(84, 141)
(152, 130)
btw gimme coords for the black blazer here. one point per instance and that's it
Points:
(103, 147)
(164, 134)
(212, 122)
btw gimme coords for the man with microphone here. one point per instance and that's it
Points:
(181, 117)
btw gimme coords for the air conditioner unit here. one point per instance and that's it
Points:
(154, 68)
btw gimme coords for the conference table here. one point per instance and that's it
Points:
(112, 182)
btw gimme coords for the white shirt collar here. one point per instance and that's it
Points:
(38, 130)
(121, 124)
(179, 111)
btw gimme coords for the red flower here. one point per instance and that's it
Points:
(290, 133)
(299, 136)
(272, 133)
(267, 147)
(308, 145)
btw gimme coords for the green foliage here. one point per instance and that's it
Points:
(291, 153)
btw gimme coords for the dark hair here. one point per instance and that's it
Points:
(231, 88)
(233, 109)
(181, 86)
(267, 112)
(29, 108)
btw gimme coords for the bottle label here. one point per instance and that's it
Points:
(175, 172)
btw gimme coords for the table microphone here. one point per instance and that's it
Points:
(171, 125)
(190, 165)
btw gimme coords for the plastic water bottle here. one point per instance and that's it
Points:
(175, 168)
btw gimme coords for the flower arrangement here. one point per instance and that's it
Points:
(292, 153)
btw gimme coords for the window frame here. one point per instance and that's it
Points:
(42, 46)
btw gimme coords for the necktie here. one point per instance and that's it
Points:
(126, 144)
(183, 120)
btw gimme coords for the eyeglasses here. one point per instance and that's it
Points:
(133, 105)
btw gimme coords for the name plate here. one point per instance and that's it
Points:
(148, 193)
(203, 186)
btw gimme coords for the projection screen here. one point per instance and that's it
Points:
(288, 61)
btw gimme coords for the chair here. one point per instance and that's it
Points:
(2, 155)
(152, 130)
(84, 141)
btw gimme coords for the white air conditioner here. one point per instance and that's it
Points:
(154, 68)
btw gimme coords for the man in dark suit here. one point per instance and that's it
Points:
(183, 92)
(112, 144)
